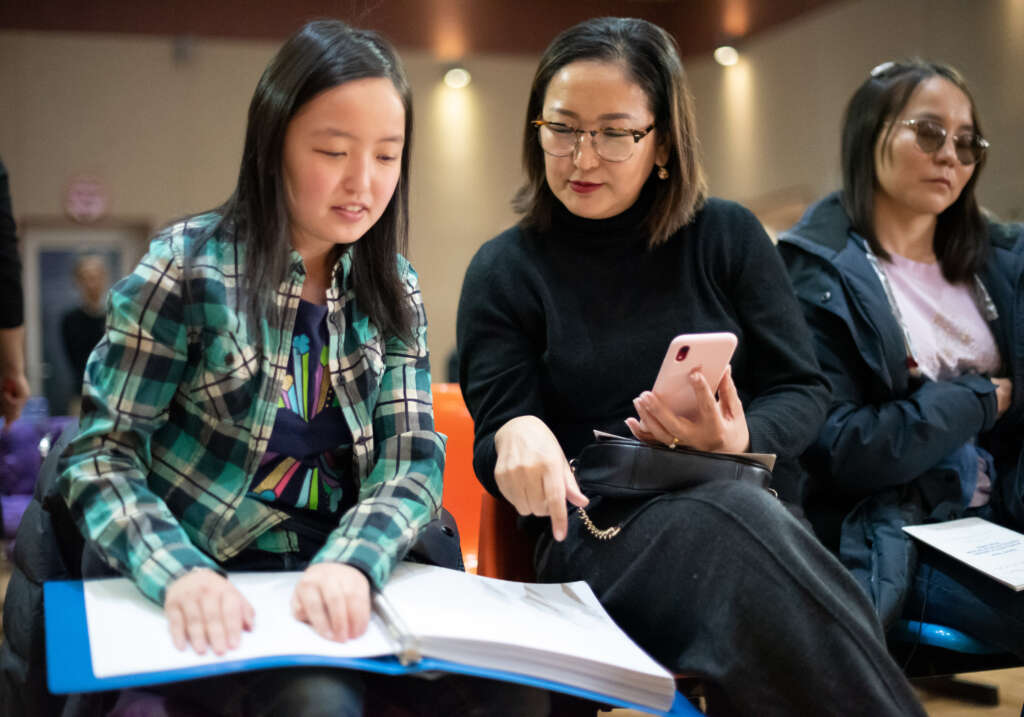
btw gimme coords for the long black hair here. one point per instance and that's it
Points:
(961, 239)
(321, 55)
(650, 57)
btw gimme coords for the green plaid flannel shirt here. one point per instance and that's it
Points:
(178, 407)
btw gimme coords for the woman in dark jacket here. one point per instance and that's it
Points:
(912, 297)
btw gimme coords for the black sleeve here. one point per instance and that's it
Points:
(870, 442)
(786, 395)
(499, 337)
(11, 302)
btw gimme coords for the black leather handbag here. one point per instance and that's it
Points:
(619, 467)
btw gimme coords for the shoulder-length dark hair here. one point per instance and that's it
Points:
(651, 59)
(961, 240)
(321, 55)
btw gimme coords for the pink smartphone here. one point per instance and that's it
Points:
(709, 353)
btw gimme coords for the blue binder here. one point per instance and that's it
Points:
(69, 661)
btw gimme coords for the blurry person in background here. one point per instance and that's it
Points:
(13, 384)
(81, 328)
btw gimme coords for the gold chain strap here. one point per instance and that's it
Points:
(606, 534)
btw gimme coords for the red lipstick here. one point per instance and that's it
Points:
(584, 187)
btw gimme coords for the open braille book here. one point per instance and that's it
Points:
(103, 634)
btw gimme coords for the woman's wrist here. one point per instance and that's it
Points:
(511, 427)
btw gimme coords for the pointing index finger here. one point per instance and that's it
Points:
(554, 494)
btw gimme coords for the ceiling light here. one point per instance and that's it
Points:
(726, 55)
(457, 77)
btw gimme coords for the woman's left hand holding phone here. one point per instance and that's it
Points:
(205, 610)
(719, 425)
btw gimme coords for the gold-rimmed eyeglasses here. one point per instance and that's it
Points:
(931, 135)
(612, 144)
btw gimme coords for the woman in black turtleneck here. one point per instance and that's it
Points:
(563, 322)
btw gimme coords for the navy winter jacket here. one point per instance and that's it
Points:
(873, 465)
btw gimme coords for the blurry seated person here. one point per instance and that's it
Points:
(81, 328)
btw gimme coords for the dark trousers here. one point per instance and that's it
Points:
(330, 692)
(721, 582)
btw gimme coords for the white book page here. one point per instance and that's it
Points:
(985, 546)
(563, 619)
(128, 634)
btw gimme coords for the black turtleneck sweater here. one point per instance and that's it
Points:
(571, 325)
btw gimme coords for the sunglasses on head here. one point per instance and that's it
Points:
(931, 136)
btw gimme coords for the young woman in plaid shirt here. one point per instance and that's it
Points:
(261, 396)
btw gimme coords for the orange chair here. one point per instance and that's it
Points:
(504, 551)
(491, 543)
(462, 491)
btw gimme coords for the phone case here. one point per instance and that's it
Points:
(708, 352)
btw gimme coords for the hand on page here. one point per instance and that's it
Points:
(719, 425)
(205, 610)
(334, 598)
(533, 474)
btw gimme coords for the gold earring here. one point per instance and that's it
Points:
(662, 172)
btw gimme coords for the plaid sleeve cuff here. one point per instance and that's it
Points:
(165, 565)
(366, 555)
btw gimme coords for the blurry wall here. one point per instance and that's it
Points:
(162, 123)
(770, 124)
